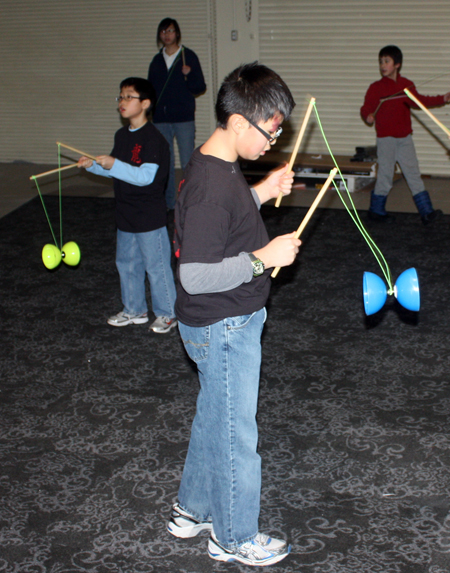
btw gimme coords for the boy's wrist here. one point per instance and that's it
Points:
(257, 264)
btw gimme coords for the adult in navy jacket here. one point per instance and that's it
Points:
(177, 77)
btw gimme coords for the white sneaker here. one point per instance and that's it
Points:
(163, 324)
(123, 319)
(261, 551)
(183, 524)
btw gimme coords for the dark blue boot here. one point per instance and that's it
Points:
(377, 211)
(425, 208)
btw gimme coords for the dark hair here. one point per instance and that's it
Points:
(254, 91)
(143, 87)
(393, 52)
(163, 25)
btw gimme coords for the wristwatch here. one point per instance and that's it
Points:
(258, 265)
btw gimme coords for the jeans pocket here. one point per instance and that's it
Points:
(237, 322)
(196, 341)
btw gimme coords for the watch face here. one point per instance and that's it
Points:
(257, 264)
(258, 268)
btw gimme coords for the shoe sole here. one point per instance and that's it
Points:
(187, 532)
(127, 322)
(219, 554)
(166, 330)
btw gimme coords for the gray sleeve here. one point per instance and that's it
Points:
(256, 197)
(203, 278)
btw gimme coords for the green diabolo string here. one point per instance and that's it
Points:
(45, 211)
(60, 199)
(70, 252)
(355, 217)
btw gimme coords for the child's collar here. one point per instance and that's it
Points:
(131, 128)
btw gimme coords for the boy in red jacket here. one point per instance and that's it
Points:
(392, 119)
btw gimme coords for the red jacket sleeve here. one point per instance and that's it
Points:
(371, 101)
(428, 101)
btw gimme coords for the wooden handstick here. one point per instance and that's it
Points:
(427, 111)
(297, 143)
(378, 106)
(382, 100)
(76, 150)
(54, 170)
(311, 211)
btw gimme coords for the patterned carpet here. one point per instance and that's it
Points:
(353, 416)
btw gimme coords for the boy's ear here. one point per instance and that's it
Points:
(146, 103)
(237, 123)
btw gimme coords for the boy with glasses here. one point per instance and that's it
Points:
(225, 258)
(139, 165)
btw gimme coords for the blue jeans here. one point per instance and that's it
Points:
(136, 254)
(222, 473)
(185, 134)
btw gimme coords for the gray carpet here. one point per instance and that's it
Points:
(353, 415)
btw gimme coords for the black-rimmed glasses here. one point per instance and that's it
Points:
(127, 97)
(270, 138)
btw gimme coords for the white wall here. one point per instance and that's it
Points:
(62, 61)
(241, 18)
(329, 49)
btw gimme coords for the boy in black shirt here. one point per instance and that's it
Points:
(139, 164)
(224, 260)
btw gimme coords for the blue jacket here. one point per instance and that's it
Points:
(176, 101)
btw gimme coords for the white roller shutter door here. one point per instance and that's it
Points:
(329, 49)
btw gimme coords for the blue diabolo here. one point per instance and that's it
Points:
(375, 293)
(406, 291)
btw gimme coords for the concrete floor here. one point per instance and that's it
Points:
(17, 189)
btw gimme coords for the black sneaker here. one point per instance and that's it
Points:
(432, 217)
(388, 218)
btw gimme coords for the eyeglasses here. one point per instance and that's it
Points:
(270, 138)
(168, 31)
(127, 97)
